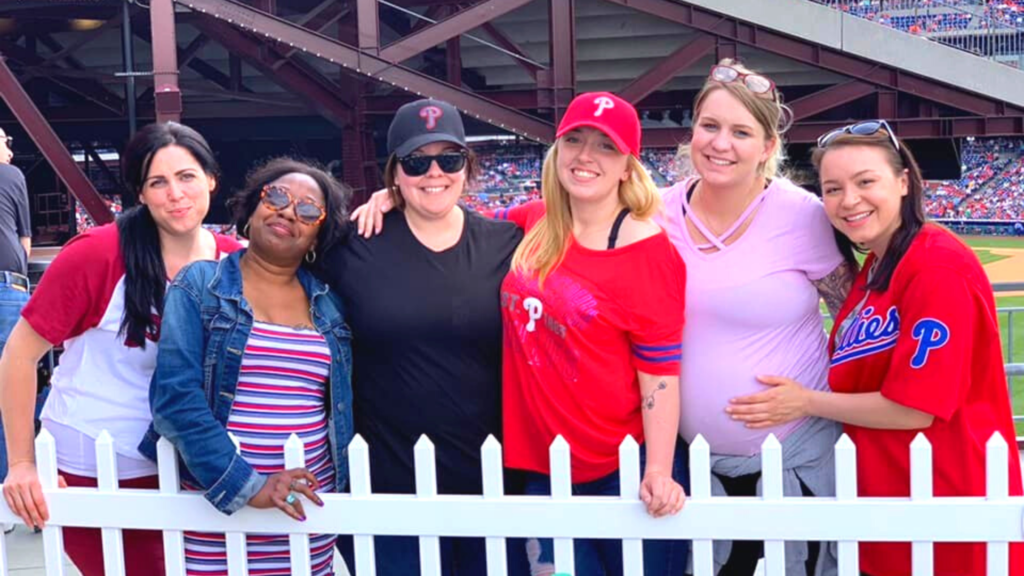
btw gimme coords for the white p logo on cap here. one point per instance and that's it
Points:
(603, 103)
(430, 114)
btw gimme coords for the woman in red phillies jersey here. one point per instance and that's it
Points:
(915, 348)
(592, 312)
(102, 298)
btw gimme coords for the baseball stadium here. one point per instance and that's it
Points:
(512, 287)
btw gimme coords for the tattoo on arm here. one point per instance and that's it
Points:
(834, 288)
(649, 399)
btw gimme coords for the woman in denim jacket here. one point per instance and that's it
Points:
(257, 347)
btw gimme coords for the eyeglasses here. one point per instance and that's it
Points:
(8, 140)
(448, 162)
(865, 128)
(307, 211)
(754, 82)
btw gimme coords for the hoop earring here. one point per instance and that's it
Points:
(245, 229)
(311, 256)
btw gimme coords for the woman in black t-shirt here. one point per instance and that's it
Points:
(423, 303)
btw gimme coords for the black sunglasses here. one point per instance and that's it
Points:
(9, 140)
(448, 162)
(865, 128)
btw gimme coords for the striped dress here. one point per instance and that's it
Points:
(281, 391)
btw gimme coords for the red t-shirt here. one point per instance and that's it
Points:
(573, 349)
(930, 342)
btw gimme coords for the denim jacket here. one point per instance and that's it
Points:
(204, 330)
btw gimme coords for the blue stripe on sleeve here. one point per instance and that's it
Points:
(666, 348)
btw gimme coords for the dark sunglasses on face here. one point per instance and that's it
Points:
(449, 163)
(9, 140)
(307, 211)
(865, 128)
(754, 82)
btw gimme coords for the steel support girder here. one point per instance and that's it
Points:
(368, 26)
(908, 129)
(317, 91)
(505, 42)
(374, 67)
(85, 38)
(667, 68)
(203, 68)
(821, 56)
(829, 98)
(560, 79)
(91, 90)
(164, 42)
(50, 145)
(451, 27)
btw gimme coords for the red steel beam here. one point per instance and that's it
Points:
(459, 23)
(561, 77)
(90, 90)
(316, 90)
(907, 128)
(669, 66)
(368, 25)
(505, 42)
(367, 64)
(165, 61)
(821, 56)
(829, 98)
(50, 145)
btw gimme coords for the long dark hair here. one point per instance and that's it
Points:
(912, 217)
(145, 274)
(245, 202)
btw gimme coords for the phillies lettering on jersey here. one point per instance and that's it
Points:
(430, 115)
(868, 334)
(930, 335)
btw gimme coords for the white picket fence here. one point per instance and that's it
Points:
(846, 519)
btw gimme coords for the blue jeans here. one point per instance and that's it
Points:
(603, 557)
(400, 556)
(12, 300)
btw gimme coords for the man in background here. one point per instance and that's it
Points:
(15, 246)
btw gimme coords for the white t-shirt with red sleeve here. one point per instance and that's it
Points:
(572, 350)
(101, 382)
(930, 342)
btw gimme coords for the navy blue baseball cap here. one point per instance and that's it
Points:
(424, 122)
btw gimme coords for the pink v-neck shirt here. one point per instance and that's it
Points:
(751, 309)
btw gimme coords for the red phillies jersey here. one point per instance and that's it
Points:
(572, 349)
(930, 342)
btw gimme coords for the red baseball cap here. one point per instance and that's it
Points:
(609, 114)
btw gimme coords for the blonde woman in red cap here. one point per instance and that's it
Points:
(593, 312)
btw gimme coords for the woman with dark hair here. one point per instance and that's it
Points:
(281, 347)
(907, 357)
(102, 298)
(422, 299)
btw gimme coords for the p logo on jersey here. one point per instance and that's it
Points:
(603, 103)
(535, 309)
(430, 115)
(930, 335)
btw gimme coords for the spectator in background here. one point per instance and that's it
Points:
(15, 247)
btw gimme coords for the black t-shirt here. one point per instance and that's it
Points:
(426, 346)
(14, 220)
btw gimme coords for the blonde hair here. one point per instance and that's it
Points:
(544, 246)
(771, 114)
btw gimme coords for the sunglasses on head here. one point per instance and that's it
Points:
(865, 128)
(307, 211)
(756, 83)
(418, 165)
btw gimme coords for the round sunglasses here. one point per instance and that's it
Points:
(865, 128)
(418, 165)
(754, 82)
(307, 211)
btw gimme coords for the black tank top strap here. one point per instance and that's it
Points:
(613, 236)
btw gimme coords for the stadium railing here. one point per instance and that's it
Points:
(988, 29)
(846, 519)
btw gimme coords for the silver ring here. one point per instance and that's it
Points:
(291, 498)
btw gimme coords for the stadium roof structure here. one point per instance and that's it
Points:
(334, 70)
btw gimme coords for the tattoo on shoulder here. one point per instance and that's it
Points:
(649, 399)
(834, 288)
